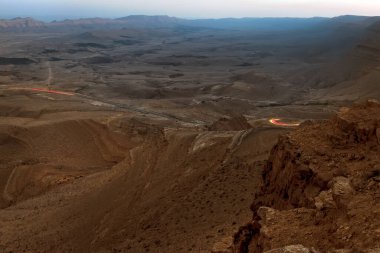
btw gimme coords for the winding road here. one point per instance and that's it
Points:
(273, 121)
(103, 101)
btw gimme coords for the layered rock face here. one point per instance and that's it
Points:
(321, 188)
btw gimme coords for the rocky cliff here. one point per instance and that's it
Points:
(320, 189)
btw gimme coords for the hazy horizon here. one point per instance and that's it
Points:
(195, 9)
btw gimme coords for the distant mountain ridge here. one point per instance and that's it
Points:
(30, 24)
(20, 23)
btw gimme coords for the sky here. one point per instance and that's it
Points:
(61, 9)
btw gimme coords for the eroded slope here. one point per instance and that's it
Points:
(116, 182)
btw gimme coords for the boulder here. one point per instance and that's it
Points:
(265, 213)
(325, 200)
(291, 249)
(342, 190)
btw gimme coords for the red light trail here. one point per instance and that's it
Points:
(277, 122)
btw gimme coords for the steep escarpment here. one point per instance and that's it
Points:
(356, 75)
(320, 189)
(369, 49)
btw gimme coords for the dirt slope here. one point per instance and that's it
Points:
(37, 158)
(70, 184)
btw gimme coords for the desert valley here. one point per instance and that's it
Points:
(161, 134)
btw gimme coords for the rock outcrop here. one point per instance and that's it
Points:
(320, 188)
